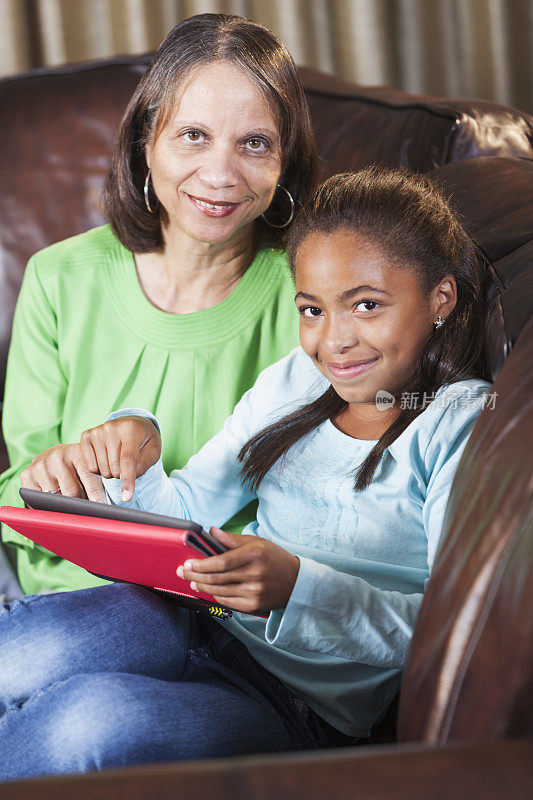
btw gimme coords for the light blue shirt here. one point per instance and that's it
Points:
(365, 557)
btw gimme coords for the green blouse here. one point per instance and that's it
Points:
(86, 341)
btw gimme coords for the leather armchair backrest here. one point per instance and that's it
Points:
(494, 197)
(357, 126)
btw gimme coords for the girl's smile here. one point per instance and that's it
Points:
(364, 318)
(349, 369)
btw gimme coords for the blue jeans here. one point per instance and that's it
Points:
(118, 675)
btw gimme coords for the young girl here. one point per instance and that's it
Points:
(350, 445)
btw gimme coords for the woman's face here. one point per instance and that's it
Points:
(343, 320)
(216, 163)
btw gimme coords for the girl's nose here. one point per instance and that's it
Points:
(218, 169)
(338, 335)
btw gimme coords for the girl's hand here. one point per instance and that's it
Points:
(121, 448)
(255, 575)
(63, 468)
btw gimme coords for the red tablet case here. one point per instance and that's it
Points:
(145, 554)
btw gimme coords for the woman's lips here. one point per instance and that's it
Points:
(211, 209)
(350, 369)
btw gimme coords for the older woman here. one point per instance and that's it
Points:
(180, 301)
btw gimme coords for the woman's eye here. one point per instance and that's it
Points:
(257, 145)
(193, 136)
(310, 311)
(368, 303)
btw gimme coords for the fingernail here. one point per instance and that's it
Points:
(125, 495)
(188, 565)
(179, 572)
(194, 586)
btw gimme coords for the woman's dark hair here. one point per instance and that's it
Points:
(410, 221)
(203, 39)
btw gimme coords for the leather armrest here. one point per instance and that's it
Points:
(488, 769)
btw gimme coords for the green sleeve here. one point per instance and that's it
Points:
(34, 399)
(35, 389)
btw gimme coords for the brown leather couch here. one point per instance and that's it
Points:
(463, 724)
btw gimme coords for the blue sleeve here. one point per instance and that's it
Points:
(443, 463)
(343, 615)
(208, 490)
(153, 490)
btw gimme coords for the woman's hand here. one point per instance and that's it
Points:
(255, 575)
(63, 468)
(121, 448)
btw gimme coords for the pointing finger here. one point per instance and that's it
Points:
(128, 472)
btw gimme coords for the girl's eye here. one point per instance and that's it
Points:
(310, 311)
(368, 303)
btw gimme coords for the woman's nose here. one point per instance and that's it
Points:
(219, 167)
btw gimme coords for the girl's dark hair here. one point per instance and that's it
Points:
(409, 220)
(203, 39)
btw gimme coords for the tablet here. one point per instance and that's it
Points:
(49, 501)
(120, 549)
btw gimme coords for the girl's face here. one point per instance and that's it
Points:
(356, 305)
(215, 165)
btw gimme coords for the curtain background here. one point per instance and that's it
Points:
(455, 48)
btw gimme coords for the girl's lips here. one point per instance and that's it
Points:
(349, 372)
(213, 209)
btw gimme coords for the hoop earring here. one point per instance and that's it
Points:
(439, 321)
(291, 216)
(146, 194)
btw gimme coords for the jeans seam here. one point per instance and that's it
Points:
(18, 705)
(203, 653)
(6, 609)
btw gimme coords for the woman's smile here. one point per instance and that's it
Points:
(213, 208)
